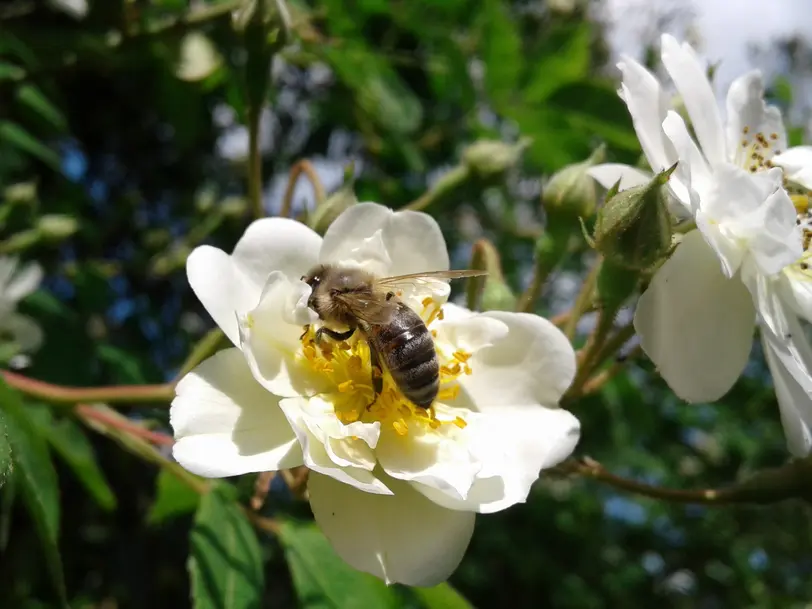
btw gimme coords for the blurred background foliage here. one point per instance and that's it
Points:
(123, 146)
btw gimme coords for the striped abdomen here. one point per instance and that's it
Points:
(406, 348)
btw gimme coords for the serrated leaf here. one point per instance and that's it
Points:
(225, 563)
(20, 138)
(69, 442)
(501, 51)
(324, 581)
(34, 473)
(442, 596)
(173, 498)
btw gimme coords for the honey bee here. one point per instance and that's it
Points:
(397, 336)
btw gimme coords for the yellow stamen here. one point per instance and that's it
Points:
(400, 427)
(459, 422)
(346, 386)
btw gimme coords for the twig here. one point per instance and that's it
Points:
(155, 437)
(202, 350)
(603, 377)
(306, 167)
(116, 394)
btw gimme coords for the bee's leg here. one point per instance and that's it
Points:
(306, 330)
(377, 374)
(390, 295)
(336, 336)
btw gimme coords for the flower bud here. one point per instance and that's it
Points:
(572, 190)
(337, 203)
(633, 228)
(496, 294)
(57, 226)
(234, 207)
(490, 159)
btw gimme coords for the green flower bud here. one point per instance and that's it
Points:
(337, 203)
(234, 207)
(490, 159)
(633, 228)
(22, 192)
(496, 294)
(57, 226)
(572, 191)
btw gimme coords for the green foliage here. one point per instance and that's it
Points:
(322, 580)
(113, 166)
(225, 562)
(34, 472)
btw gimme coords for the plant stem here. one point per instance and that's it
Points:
(254, 162)
(117, 394)
(301, 167)
(582, 302)
(205, 348)
(88, 412)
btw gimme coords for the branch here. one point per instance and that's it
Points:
(790, 481)
(117, 394)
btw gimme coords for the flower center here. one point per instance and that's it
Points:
(756, 150)
(348, 369)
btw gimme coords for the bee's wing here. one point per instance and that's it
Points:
(372, 309)
(390, 283)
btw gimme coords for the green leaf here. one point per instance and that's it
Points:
(125, 367)
(501, 52)
(379, 91)
(225, 563)
(5, 450)
(324, 581)
(173, 498)
(563, 60)
(69, 442)
(442, 596)
(34, 473)
(34, 99)
(19, 137)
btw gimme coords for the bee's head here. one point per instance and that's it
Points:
(314, 279)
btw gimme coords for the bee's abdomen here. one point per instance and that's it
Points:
(407, 349)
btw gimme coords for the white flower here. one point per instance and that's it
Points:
(394, 487)
(15, 284)
(696, 318)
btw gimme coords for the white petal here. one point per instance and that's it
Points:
(608, 174)
(796, 287)
(797, 164)
(270, 340)
(748, 115)
(648, 105)
(789, 357)
(276, 244)
(695, 324)
(514, 445)
(226, 424)
(403, 538)
(690, 77)
(468, 331)
(692, 177)
(533, 363)
(25, 281)
(317, 457)
(437, 459)
(412, 240)
(231, 285)
(778, 243)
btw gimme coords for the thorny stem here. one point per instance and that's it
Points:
(306, 167)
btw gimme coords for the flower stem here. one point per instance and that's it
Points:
(202, 350)
(582, 302)
(302, 167)
(90, 413)
(254, 162)
(117, 394)
(449, 183)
